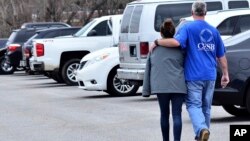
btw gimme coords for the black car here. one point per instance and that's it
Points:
(16, 40)
(235, 98)
(3, 42)
(41, 34)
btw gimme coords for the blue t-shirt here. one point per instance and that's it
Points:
(202, 44)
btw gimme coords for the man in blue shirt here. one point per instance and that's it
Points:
(203, 47)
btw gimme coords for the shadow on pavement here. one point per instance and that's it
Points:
(107, 96)
(49, 85)
(36, 78)
(142, 99)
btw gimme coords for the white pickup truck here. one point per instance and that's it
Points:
(60, 57)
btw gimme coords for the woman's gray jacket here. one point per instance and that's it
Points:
(164, 72)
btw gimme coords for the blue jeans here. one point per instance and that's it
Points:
(198, 102)
(164, 102)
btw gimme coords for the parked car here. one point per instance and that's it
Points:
(98, 72)
(228, 22)
(235, 98)
(16, 40)
(134, 46)
(38, 25)
(3, 42)
(61, 56)
(42, 34)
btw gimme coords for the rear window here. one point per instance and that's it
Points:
(136, 18)
(126, 19)
(238, 4)
(12, 37)
(18, 37)
(177, 11)
(214, 6)
(173, 11)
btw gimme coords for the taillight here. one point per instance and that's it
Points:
(39, 50)
(144, 49)
(26, 53)
(13, 47)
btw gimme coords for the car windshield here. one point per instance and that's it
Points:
(83, 30)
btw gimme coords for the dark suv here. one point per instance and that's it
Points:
(235, 98)
(16, 40)
(42, 34)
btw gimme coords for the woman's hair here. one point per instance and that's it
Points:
(167, 28)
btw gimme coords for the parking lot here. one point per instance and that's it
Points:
(35, 108)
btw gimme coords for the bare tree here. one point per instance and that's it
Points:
(75, 12)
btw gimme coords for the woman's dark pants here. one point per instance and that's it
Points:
(176, 104)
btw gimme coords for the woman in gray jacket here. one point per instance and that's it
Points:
(164, 76)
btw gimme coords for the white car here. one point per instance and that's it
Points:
(228, 22)
(98, 72)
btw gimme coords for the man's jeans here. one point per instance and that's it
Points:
(198, 102)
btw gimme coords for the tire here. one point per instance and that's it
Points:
(69, 72)
(235, 110)
(5, 67)
(57, 77)
(119, 87)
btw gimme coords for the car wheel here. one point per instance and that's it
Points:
(5, 67)
(119, 87)
(69, 71)
(236, 110)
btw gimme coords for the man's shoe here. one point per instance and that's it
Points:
(204, 135)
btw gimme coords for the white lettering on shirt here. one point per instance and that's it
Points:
(206, 47)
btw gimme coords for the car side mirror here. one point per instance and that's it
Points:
(92, 33)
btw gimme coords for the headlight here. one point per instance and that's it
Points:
(97, 59)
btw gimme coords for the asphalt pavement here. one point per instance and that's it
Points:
(35, 108)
